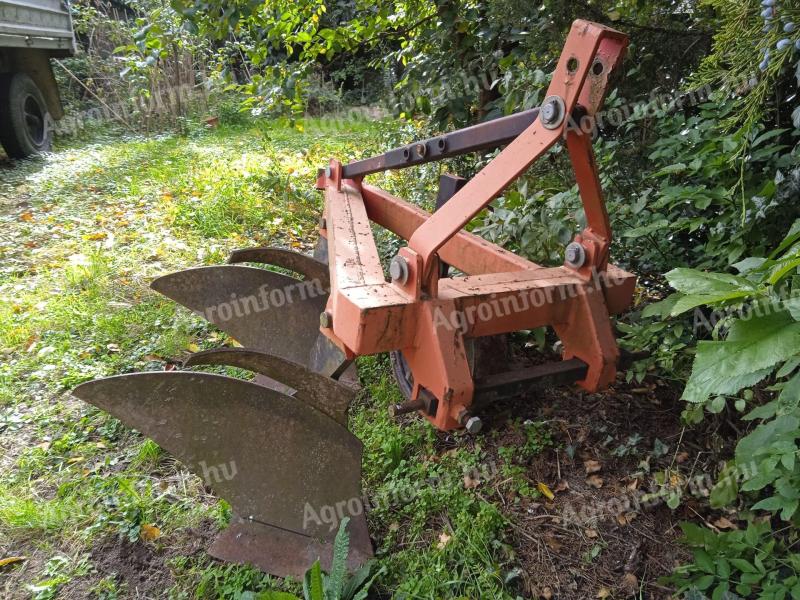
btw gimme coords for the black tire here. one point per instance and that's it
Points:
(25, 123)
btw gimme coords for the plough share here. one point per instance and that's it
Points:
(284, 434)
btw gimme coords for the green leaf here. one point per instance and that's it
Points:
(767, 136)
(341, 547)
(312, 583)
(696, 535)
(788, 367)
(766, 435)
(662, 308)
(357, 581)
(724, 492)
(772, 504)
(676, 168)
(705, 582)
(362, 594)
(717, 405)
(789, 508)
(742, 565)
(767, 411)
(780, 270)
(749, 264)
(750, 354)
(723, 568)
(791, 238)
(691, 301)
(704, 561)
(692, 281)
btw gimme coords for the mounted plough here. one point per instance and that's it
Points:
(282, 437)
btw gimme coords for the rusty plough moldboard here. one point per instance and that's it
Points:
(284, 433)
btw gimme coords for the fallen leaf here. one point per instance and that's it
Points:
(149, 533)
(443, 540)
(595, 481)
(75, 459)
(192, 347)
(394, 526)
(545, 491)
(93, 237)
(592, 466)
(682, 457)
(604, 592)
(724, 523)
(547, 593)
(554, 544)
(591, 533)
(562, 486)
(470, 483)
(630, 583)
(12, 560)
(26, 216)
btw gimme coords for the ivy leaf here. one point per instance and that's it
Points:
(753, 348)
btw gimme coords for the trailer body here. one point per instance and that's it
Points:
(31, 33)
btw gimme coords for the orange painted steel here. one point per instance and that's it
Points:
(430, 318)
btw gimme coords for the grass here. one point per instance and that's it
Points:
(85, 230)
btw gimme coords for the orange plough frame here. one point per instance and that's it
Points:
(428, 317)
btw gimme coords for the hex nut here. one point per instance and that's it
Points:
(398, 270)
(575, 255)
(474, 425)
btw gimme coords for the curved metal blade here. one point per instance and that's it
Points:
(261, 309)
(323, 393)
(305, 265)
(283, 553)
(275, 460)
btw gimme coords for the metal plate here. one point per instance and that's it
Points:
(319, 391)
(261, 309)
(270, 456)
(283, 553)
(305, 265)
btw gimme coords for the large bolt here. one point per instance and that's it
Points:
(398, 270)
(395, 410)
(552, 112)
(575, 255)
(326, 320)
(470, 423)
(473, 425)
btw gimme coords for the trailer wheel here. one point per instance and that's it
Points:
(25, 123)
